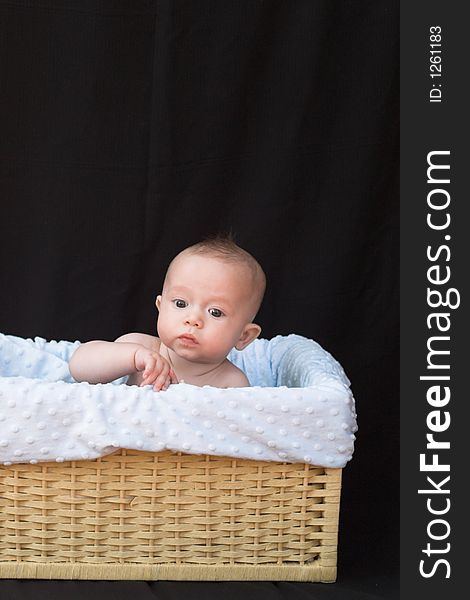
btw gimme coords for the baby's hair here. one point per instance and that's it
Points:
(224, 248)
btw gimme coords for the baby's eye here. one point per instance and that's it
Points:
(180, 303)
(216, 312)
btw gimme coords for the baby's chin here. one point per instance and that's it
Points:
(195, 354)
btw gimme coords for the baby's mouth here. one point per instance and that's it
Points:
(188, 339)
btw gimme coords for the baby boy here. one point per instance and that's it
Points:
(211, 294)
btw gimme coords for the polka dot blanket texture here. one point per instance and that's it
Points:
(299, 409)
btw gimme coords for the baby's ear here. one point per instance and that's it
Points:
(158, 301)
(249, 333)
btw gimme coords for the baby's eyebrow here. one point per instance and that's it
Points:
(220, 300)
(178, 289)
(183, 290)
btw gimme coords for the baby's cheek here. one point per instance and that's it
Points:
(164, 322)
(162, 331)
(220, 345)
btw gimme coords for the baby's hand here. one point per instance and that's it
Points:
(156, 369)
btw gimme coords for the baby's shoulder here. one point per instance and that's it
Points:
(149, 341)
(232, 376)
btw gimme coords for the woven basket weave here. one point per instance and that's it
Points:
(148, 516)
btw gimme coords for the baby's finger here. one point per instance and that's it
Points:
(167, 383)
(146, 373)
(173, 378)
(161, 380)
(149, 379)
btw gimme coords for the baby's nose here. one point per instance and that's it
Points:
(193, 321)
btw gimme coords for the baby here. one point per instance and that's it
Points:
(211, 294)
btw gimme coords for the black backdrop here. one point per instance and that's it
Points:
(133, 128)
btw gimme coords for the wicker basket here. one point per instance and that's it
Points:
(147, 516)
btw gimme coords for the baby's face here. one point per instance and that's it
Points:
(205, 308)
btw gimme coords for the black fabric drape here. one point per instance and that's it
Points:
(131, 129)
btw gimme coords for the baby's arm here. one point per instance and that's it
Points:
(103, 362)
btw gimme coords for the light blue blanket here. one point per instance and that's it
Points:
(299, 409)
